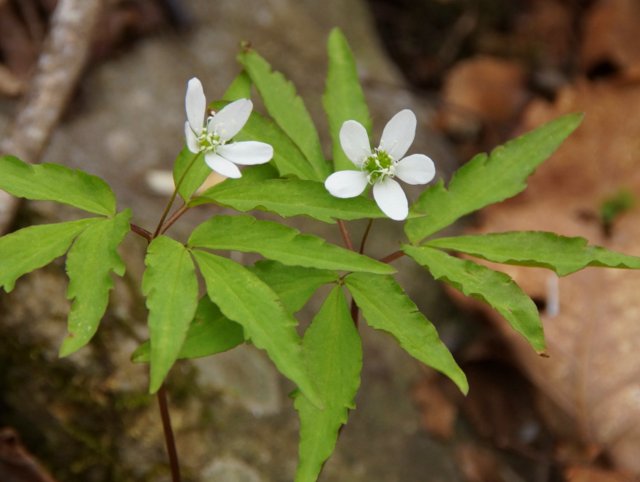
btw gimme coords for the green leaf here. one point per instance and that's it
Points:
(209, 333)
(385, 306)
(171, 288)
(334, 354)
(287, 157)
(287, 109)
(562, 254)
(493, 287)
(31, 248)
(489, 179)
(189, 172)
(240, 88)
(52, 182)
(343, 99)
(90, 261)
(289, 197)
(244, 298)
(280, 243)
(293, 284)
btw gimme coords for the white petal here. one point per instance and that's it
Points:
(230, 119)
(248, 153)
(416, 169)
(346, 184)
(192, 140)
(399, 133)
(355, 142)
(222, 166)
(391, 199)
(195, 104)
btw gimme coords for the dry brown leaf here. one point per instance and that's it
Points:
(482, 91)
(610, 35)
(593, 369)
(590, 474)
(438, 411)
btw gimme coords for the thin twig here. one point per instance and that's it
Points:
(57, 72)
(345, 234)
(168, 434)
(174, 217)
(392, 257)
(141, 232)
(363, 242)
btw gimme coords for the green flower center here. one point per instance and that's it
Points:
(378, 166)
(209, 141)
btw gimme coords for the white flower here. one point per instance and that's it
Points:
(381, 165)
(210, 135)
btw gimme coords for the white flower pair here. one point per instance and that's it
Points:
(381, 165)
(210, 134)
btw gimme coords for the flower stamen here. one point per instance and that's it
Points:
(378, 166)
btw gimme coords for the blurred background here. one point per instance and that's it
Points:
(99, 85)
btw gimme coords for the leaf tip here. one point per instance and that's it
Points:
(69, 346)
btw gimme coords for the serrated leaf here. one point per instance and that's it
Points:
(90, 261)
(287, 109)
(209, 333)
(171, 288)
(293, 284)
(240, 88)
(189, 172)
(53, 182)
(562, 254)
(287, 157)
(280, 243)
(493, 287)
(343, 98)
(31, 248)
(489, 179)
(244, 298)
(289, 197)
(385, 306)
(333, 352)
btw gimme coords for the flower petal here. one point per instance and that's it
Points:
(416, 169)
(222, 166)
(230, 119)
(195, 104)
(391, 199)
(248, 152)
(355, 142)
(192, 140)
(346, 184)
(399, 133)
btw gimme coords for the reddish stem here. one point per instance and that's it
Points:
(365, 236)
(174, 217)
(141, 232)
(392, 257)
(345, 234)
(168, 434)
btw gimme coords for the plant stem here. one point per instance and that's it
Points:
(165, 213)
(174, 217)
(141, 232)
(365, 236)
(168, 434)
(345, 234)
(392, 257)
